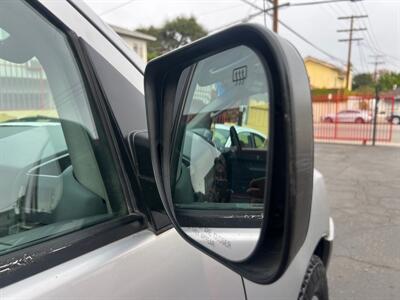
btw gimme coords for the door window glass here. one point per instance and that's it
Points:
(245, 139)
(259, 141)
(55, 167)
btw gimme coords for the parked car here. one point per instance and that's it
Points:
(120, 198)
(394, 119)
(348, 116)
(250, 138)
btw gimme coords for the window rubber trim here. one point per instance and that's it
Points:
(30, 260)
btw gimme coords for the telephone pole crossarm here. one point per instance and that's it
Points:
(350, 40)
(355, 29)
(353, 17)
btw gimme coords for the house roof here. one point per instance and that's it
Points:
(132, 33)
(323, 63)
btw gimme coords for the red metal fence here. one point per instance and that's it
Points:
(352, 118)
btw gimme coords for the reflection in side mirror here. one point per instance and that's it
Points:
(232, 147)
(221, 153)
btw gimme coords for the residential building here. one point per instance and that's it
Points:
(27, 91)
(135, 40)
(24, 88)
(324, 75)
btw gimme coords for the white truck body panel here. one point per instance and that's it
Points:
(145, 265)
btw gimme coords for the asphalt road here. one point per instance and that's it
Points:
(363, 184)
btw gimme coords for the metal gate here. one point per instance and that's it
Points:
(353, 118)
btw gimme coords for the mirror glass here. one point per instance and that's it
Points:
(219, 159)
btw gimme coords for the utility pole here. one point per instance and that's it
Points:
(350, 41)
(275, 15)
(265, 11)
(374, 121)
(376, 63)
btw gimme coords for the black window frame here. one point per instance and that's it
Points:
(28, 261)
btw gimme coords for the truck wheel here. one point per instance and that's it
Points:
(396, 120)
(315, 284)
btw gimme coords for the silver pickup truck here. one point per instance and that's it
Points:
(117, 181)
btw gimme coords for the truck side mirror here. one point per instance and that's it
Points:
(248, 209)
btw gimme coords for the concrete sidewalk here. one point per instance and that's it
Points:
(363, 185)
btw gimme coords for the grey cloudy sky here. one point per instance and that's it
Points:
(317, 23)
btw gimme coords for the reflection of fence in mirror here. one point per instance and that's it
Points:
(221, 179)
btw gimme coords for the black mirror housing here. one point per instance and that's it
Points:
(290, 153)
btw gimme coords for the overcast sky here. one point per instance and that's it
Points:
(317, 23)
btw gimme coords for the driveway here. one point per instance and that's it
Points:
(363, 185)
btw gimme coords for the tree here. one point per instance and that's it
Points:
(363, 81)
(389, 80)
(173, 34)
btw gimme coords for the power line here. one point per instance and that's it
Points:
(265, 14)
(373, 46)
(363, 59)
(116, 7)
(370, 26)
(310, 43)
(276, 6)
(372, 40)
(322, 2)
(388, 59)
(290, 29)
(341, 9)
(372, 43)
(304, 39)
(218, 10)
(335, 9)
(329, 11)
(369, 37)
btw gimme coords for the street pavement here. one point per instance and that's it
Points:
(363, 184)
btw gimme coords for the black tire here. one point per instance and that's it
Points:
(396, 120)
(315, 283)
(328, 120)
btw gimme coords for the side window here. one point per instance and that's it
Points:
(245, 139)
(259, 141)
(221, 138)
(55, 167)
